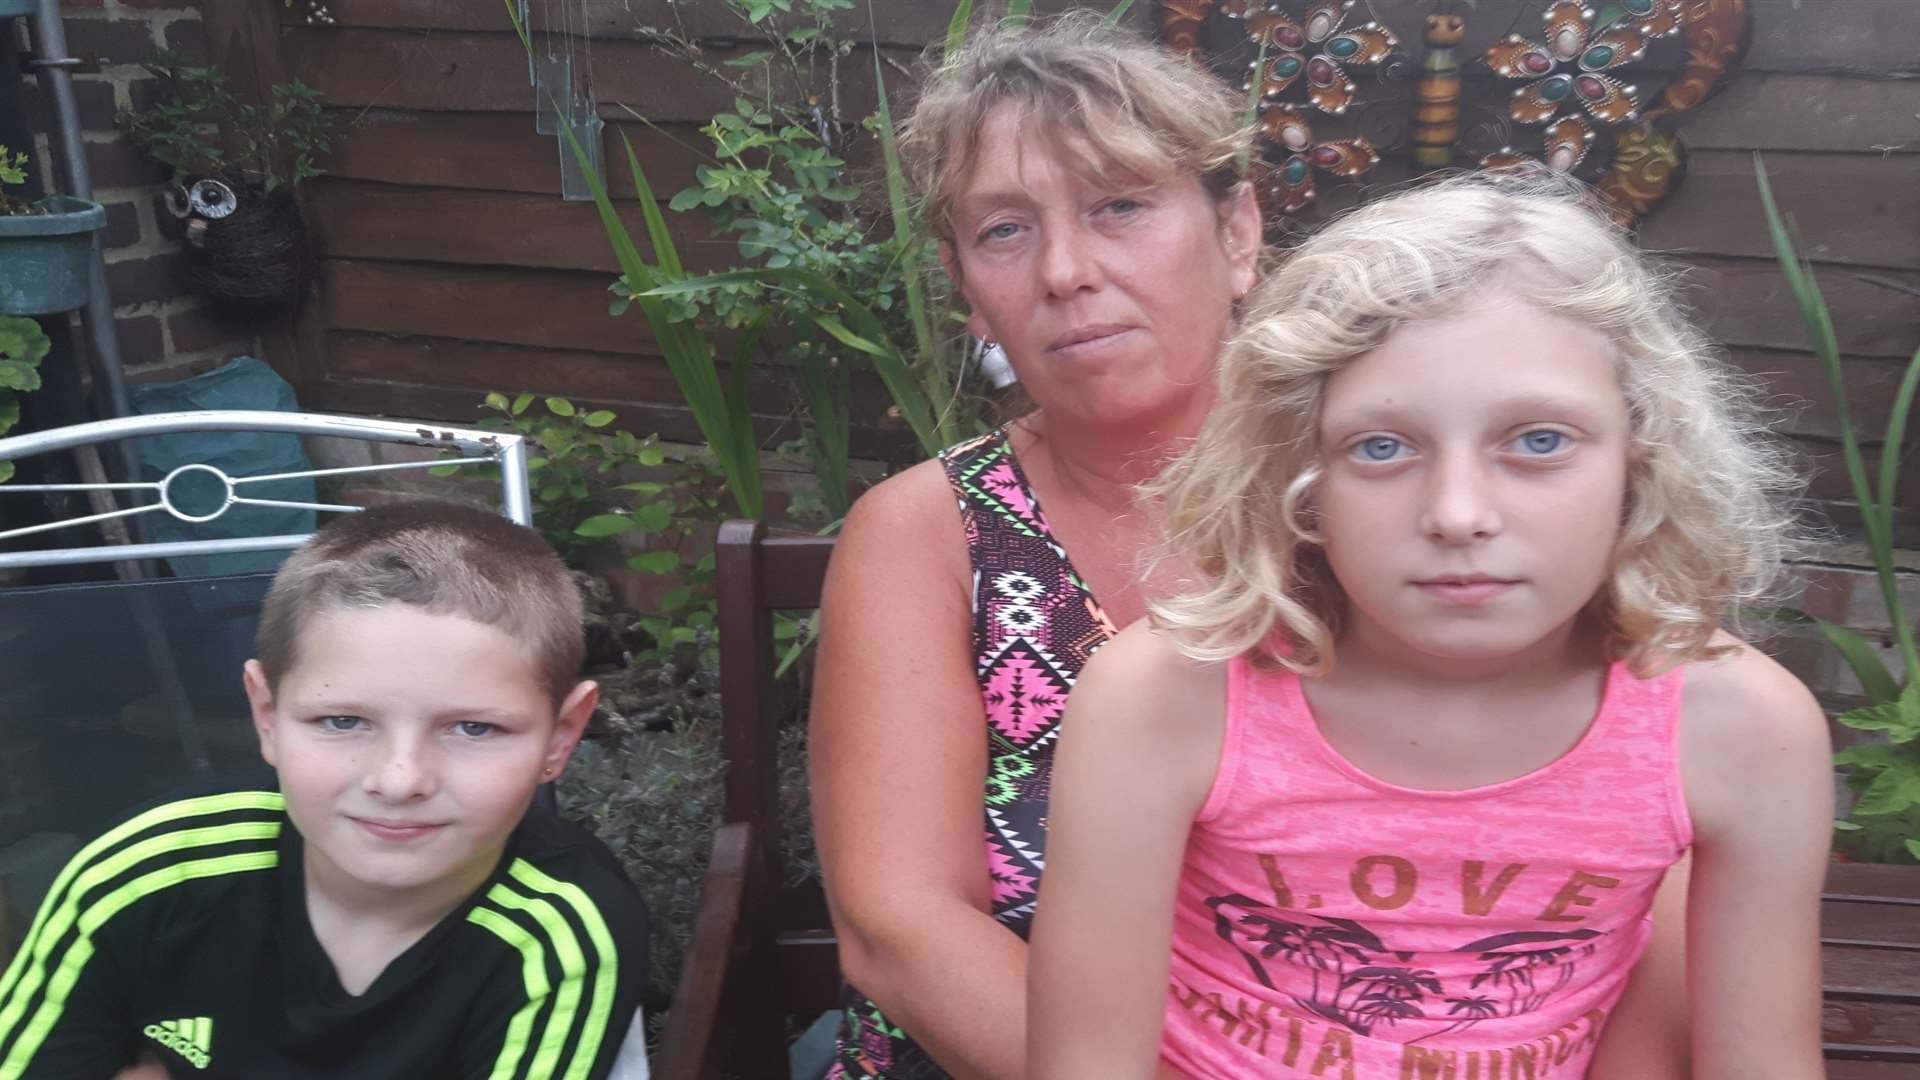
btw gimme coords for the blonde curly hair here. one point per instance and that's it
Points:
(1121, 103)
(1705, 524)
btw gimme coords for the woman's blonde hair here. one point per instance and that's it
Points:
(1125, 105)
(1705, 523)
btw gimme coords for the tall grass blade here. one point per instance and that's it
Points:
(1875, 515)
(1252, 117)
(689, 355)
(1018, 11)
(1864, 661)
(1119, 12)
(827, 390)
(905, 236)
(956, 29)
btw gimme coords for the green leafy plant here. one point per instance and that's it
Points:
(13, 173)
(1884, 774)
(22, 346)
(198, 125)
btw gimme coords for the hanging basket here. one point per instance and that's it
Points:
(249, 248)
(46, 259)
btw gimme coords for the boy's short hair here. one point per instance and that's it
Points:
(443, 558)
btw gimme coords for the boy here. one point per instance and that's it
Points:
(394, 909)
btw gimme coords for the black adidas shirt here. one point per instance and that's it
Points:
(185, 930)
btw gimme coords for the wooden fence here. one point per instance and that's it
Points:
(451, 266)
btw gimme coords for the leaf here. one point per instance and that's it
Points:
(652, 517)
(17, 375)
(1873, 756)
(1899, 718)
(1892, 792)
(598, 419)
(1018, 12)
(1913, 847)
(1847, 826)
(520, 403)
(443, 470)
(956, 28)
(605, 525)
(497, 400)
(751, 59)
(1119, 12)
(1865, 662)
(687, 198)
(560, 406)
(656, 562)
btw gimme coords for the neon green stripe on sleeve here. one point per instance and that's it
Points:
(533, 973)
(96, 916)
(573, 969)
(55, 923)
(606, 972)
(159, 815)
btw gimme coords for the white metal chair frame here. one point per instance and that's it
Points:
(505, 449)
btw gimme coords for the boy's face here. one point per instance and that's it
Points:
(408, 746)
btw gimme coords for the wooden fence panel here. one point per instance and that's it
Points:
(451, 265)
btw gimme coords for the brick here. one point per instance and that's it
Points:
(110, 41)
(188, 37)
(123, 225)
(95, 100)
(120, 164)
(148, 280)
(1851, 597)
(200, 330)
(141, 341)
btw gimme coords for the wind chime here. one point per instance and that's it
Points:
(1572, 83)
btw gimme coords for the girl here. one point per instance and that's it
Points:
(1390, 792)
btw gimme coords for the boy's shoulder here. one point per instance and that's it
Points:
(553, 865)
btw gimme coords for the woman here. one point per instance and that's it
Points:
(1085, 189)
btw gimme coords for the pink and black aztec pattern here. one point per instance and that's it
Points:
(1034, 626)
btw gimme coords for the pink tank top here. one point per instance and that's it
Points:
(1329, 924)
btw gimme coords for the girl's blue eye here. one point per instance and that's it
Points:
(1542, 442)
(1379, 448)
(475, 729)
(341, 723)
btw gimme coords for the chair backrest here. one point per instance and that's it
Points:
(761, 950)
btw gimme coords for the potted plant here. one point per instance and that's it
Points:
(46, 246)
(236, 165)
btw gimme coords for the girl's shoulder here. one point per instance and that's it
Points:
(1745, 694)
(1747, 726)
(1142, 677)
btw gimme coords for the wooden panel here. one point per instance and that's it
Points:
(893, 21)
(1788, 35)
(1882, 970)
(1859, 210)
(544, 308)
(488, 73)
(1760, 111)
(498, 152)
(382, 221)
(1746, 302)
(621, 382)
(1795, 384)
(1873, 879)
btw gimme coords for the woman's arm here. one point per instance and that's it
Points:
(898, 752)
(1140, 745)
(1647, 1038)
(1758, 771)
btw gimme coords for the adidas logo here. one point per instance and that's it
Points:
(191, 1038)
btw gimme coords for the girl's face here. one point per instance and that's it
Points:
(1475, 476)
(1112, 303)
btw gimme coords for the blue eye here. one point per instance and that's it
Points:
(999, 232)
(1379, 448)
(475, 729)
(1122, 206)
(341, 723)
(1542, 442)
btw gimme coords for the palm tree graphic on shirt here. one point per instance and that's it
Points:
(1354, 982)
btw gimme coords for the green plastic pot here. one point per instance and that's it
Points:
(46, 259)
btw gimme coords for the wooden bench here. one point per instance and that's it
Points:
(762, 953)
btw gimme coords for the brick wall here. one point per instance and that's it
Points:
(164, 332)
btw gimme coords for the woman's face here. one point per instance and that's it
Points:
(1111, 301)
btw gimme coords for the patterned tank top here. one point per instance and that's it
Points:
(1034, 625)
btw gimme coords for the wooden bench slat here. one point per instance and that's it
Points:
(1874, 880)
